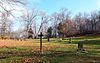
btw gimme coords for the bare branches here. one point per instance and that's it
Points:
(29, 20)
(29, 17)
(44, 20)
(5, 3)
(23, 2)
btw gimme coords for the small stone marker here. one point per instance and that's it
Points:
(40, 41)
(70, 40)
(80, 46)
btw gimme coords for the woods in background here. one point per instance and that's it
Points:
(80, 24)
(58, 24)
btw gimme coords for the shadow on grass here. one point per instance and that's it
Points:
(49, 56)
(89, 42)
(92, 42)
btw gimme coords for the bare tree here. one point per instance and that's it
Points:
(55, 22)
(5, 24)
(98, 23)
(6, 14)
(94, 21)
(44, 21)
(64, 15)
(4, 3)
(29, 19)
(58, 17)
(78, 19)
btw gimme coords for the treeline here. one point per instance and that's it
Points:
(34, 21)
(81, 24)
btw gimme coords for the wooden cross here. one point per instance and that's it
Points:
(48, 37)
(40, 41)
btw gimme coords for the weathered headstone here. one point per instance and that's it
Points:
(70, 40)
(80, 46)
(41, 35)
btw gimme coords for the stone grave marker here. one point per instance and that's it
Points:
(80, 46)
(70, 40)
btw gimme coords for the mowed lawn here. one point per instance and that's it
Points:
(55, 51)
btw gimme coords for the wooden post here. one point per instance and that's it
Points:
(48, 37)
(40, 41)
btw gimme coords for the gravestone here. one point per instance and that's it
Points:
(80, 46)
(41, 35)
(70, 40)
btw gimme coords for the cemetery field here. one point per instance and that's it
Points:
(55, 51)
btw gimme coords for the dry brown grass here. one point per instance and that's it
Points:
(34, 44)
(16, 43)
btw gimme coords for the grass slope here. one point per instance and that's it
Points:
(55, 51)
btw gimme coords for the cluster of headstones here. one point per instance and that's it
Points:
(80, 44)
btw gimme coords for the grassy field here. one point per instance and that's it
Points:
(55, 51)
